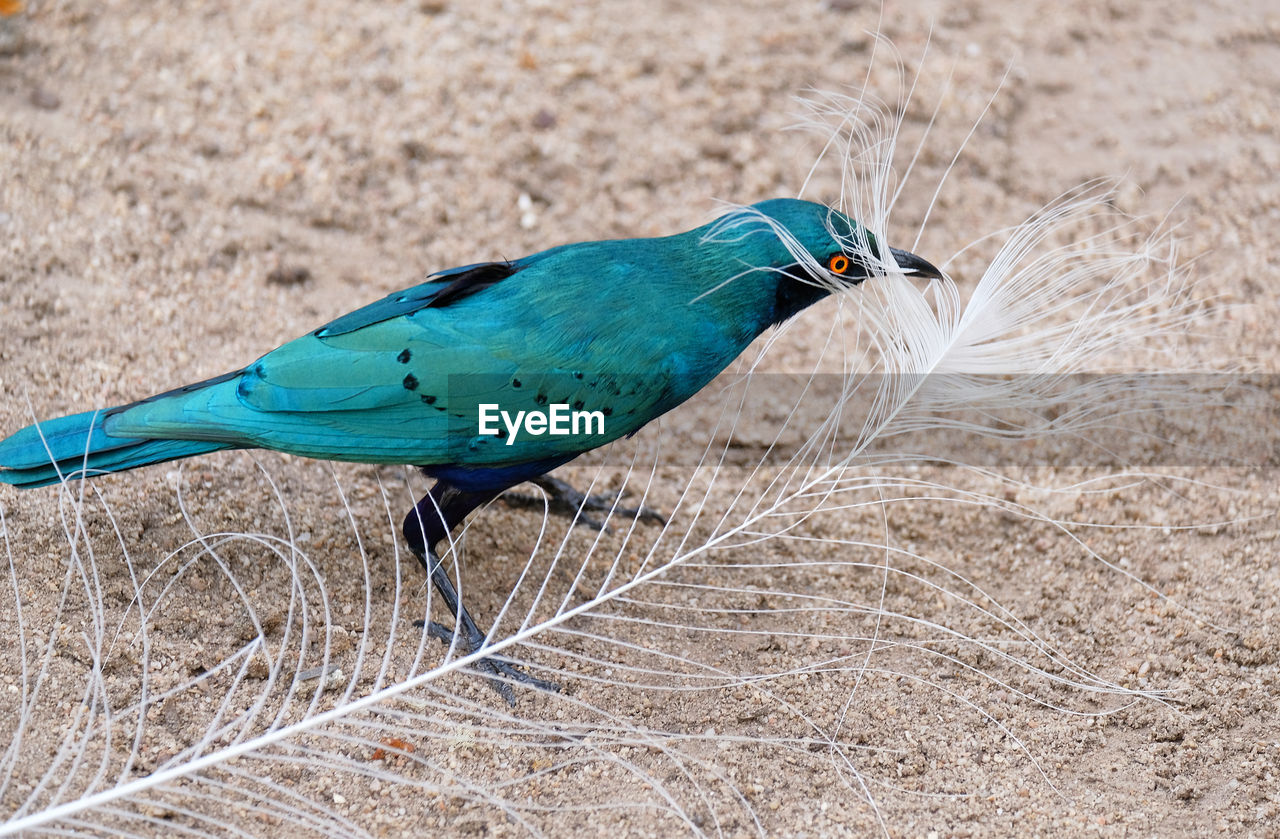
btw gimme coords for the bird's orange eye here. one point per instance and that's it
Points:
(838, 263)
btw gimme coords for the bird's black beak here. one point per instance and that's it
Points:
(914, 265)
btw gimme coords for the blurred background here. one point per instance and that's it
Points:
(185, 185)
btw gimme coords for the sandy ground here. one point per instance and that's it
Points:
(183, 186)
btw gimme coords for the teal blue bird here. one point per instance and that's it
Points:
(622, 331)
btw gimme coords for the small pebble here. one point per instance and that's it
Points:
(45, 99)
(544, 119)
(289, 275)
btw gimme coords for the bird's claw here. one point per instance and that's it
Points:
(564, 500)
(499, 672)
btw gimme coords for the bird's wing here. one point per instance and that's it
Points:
(406, 387)
(438, 291)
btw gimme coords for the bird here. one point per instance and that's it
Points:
(620, 331)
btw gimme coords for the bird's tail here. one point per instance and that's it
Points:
(77, 446)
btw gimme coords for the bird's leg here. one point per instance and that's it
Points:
(567, 501)
(428, 524)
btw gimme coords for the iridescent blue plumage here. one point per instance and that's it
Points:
(631, 328)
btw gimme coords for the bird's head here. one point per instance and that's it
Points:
(811, 250)
(829, 247)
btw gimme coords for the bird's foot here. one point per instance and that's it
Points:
(499, 672)
(564, 500)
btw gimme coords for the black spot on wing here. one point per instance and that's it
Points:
(468, 282)
(410, 382)
(404, 356)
